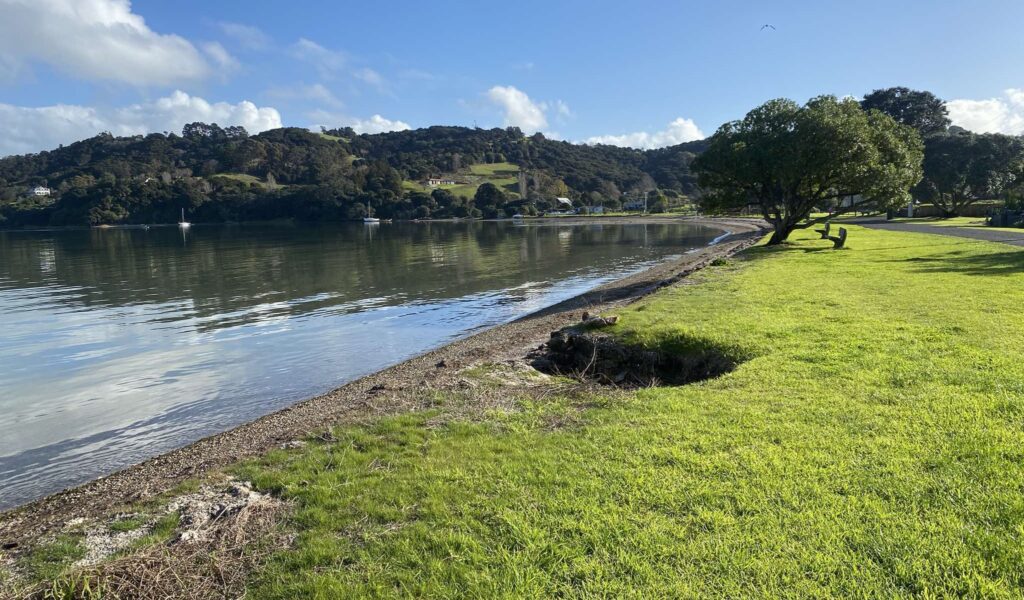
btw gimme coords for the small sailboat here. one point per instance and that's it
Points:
(183, 223)
(369, 218)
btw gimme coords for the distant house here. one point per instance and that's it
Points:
(633, 205)
(436, 181)
(594, 210)
(40, 191)
(563, 202)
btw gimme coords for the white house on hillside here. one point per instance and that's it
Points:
(436, 181)
(40, 191)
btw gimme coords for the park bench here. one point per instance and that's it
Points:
(838, 240)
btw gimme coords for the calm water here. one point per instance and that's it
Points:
(116, 345)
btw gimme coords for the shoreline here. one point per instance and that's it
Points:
(388, 391)
(559, 220)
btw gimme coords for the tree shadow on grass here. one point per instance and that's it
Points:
(758, 252)
(996, 263)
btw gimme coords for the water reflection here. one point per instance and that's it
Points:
(120, 344)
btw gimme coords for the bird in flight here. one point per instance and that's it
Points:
(766, 26)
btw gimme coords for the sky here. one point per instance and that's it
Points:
(643, 74)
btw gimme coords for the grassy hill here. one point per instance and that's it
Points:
(504, 175)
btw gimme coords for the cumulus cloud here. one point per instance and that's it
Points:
(678, 131)
(30, 129)
(95, 40)
(378, 124)
(375, 124)
(246, 36)
(994, 115)
(519, 110)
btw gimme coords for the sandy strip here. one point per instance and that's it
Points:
(395, 389)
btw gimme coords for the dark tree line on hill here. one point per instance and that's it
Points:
(224, 174)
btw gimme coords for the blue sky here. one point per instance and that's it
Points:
(641, 73)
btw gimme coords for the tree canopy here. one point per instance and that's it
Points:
(919, 109)
(961, 168)
(789, 159)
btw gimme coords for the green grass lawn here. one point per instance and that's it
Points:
(970, 222)
(504, 175)
(245, 178)
(414, 186)
(500, 170)
(870, 446)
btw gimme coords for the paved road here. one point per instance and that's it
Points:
(1006, 237)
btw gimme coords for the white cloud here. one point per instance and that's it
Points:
(378, 124)
(246, 36)
(221, 56)
(371, 77)
(332, 63)
(375, 124)
(519, 110)
(95, 40)
(678, 131)
(562, 109)
(995, 115)
(327, 62)
(30, 129)
(317, 92)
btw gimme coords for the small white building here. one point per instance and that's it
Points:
(436, 181)
(563, 202)
(40, 191)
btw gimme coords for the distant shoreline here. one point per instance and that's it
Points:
(379, 393)
(558, 220)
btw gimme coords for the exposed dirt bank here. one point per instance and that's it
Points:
(392, 390)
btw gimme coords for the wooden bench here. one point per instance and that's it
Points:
(838, 240)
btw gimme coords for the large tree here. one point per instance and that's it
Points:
(789, 159)
(961, 168)
(490, 199)
(920, 109)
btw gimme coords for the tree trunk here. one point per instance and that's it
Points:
(783, 227)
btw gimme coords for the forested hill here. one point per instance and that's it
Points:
(224, 174)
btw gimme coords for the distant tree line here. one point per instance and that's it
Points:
(223, 174)
(895, 146)
(960, 167)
